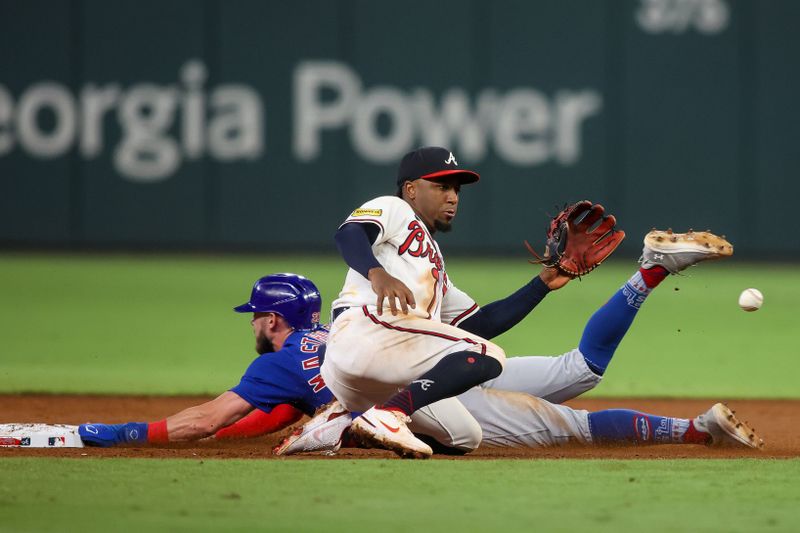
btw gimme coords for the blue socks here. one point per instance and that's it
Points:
(105, 435)
(626, 426)
(608, 325)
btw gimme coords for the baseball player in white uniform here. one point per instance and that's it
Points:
(390, 365)
(371, 355)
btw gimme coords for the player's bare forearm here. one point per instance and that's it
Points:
(204, 420)
(554, 278)
(387, 286)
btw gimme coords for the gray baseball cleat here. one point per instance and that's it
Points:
(677, 251)
(323, 433)
(727, 430)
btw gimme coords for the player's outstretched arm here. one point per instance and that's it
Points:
(192, 423)
(206, 419)
(259, 423)
(498, 317)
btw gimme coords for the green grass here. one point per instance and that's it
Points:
(146, 324)
(392, 495)
(150, 324)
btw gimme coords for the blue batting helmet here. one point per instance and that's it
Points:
(292, 296)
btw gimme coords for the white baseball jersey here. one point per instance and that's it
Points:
(407, 251)
(370, 356)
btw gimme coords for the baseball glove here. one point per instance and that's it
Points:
(580, 237)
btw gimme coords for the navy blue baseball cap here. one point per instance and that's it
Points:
(430, 163)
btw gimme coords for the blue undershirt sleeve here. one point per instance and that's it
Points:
(354, 241)
(500, 316)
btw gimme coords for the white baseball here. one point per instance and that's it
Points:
(751, 300)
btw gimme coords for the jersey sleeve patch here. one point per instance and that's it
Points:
(389, 213)
(367, 213)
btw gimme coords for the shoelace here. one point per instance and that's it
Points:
(401, 417)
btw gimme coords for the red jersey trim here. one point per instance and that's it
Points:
(438, 334)
(464, 315)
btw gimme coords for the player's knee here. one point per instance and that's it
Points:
(496, 352)
(466, 437)
(470, 443)
(578, 359)
(449, 424)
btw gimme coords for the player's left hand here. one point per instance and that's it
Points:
(579, 238)
(554, 278)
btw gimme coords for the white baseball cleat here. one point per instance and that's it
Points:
(677, 251)
(323, 433)
(727, 430)
(383, 428)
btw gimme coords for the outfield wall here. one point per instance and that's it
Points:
(262, 124)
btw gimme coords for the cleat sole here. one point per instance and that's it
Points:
(700, 241)
(737, 430)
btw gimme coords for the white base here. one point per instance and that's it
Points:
(39, 436)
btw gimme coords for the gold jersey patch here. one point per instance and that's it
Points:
(366, 212)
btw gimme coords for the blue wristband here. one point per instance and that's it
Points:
(105, 435)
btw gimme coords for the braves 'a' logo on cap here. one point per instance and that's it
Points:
(451, 160)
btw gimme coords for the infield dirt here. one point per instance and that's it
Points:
(775, 421)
